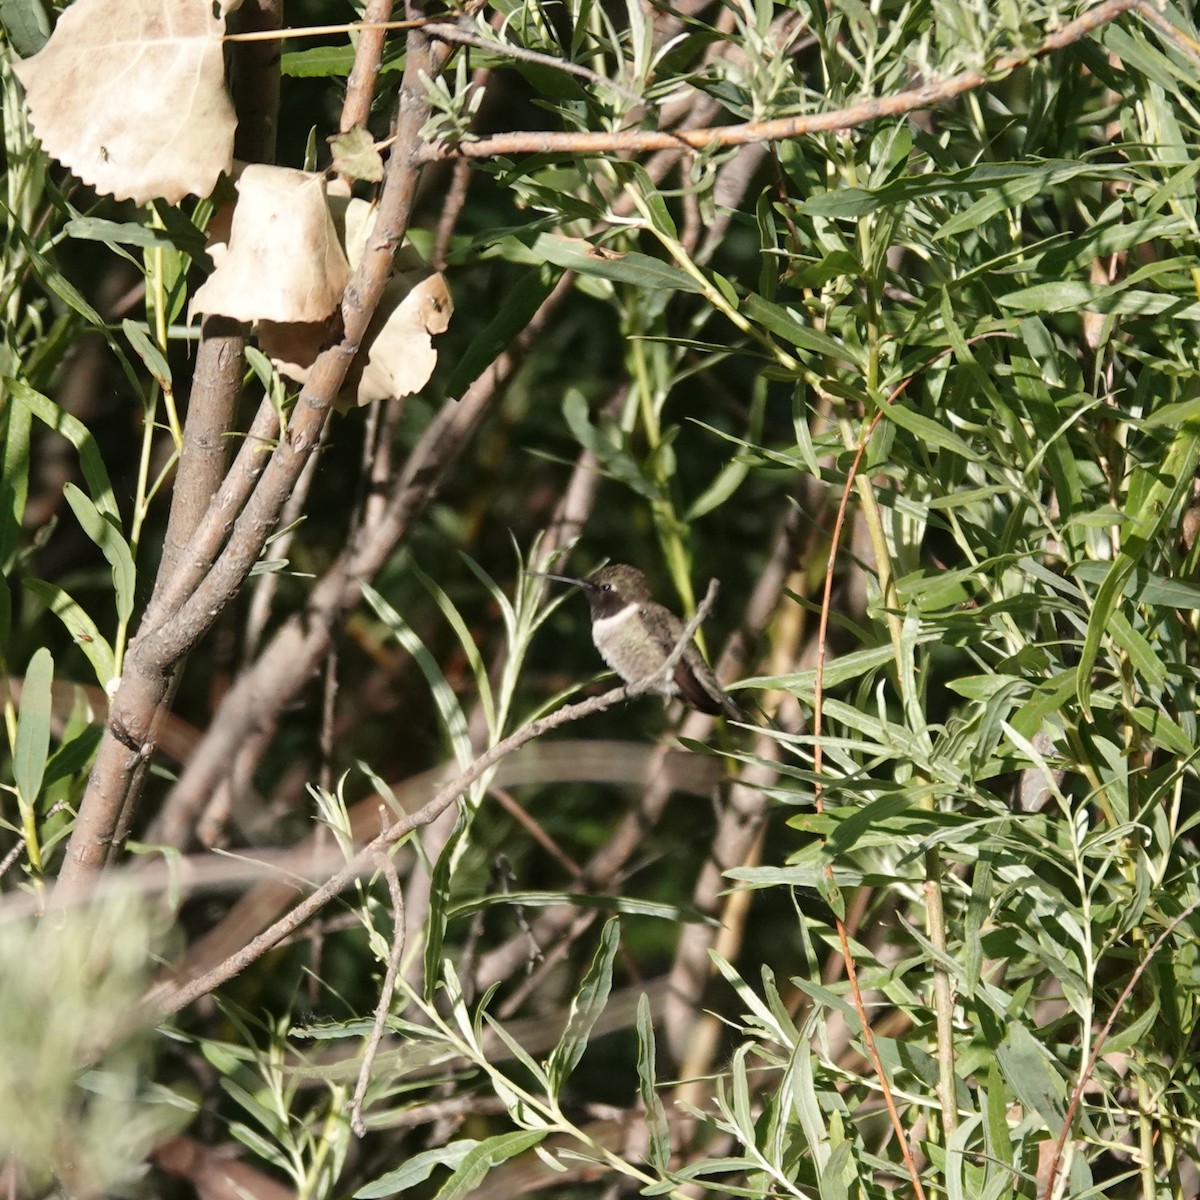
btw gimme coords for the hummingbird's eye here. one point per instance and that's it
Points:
(606, 587)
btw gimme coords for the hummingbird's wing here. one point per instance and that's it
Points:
(692, 690)
(694, 678)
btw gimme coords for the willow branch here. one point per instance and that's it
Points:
(929, 95)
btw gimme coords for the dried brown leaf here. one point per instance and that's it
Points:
(401, 356)
(285, 262)
(130, 95)
(293, 346)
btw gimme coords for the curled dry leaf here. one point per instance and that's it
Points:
(130, 96)
(284, 262)
(400, 357)
(293, 346)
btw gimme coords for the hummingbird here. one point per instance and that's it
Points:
(635, 636)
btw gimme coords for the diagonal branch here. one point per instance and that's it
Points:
(929, 95)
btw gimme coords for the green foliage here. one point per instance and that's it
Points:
(974, 323)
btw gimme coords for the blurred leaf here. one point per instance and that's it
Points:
(26, 24)
(32, 744)
(1027, 1070)
(71, 758)
(520, 303)
(1163, 491)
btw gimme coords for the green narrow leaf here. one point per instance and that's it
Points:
(652, 195)
(318, 62)
(586, 1007)
(106, 533)
(659, 1149)
(79, 625)
(129, 233)
(1144, 587)
(26, 24)
(777, 320)
(74, 430)
(841, 670)
(935, 433)
(14, 481)
(619, 464)
(728, 480)
(148, 352)
(1027, 1070)
(626, 905)
(536, 1072)
(640, 270)
(417, 1169)
(768, 241)
(520, 303)
(1148, 510)
(5, 622)
(998, 1141)
(32, 746)
(978, 911)
(1137, 1032)
(439, 904)
(74, 756)
(447, 702)
(466, 640)
(1002, 197)
(55, 280)
(484, 1157)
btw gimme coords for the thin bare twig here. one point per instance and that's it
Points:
(1185, 44)
(388, 868)
(818, 787)
(466, 37)
(368, 55)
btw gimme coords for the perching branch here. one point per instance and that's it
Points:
(445, 796)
